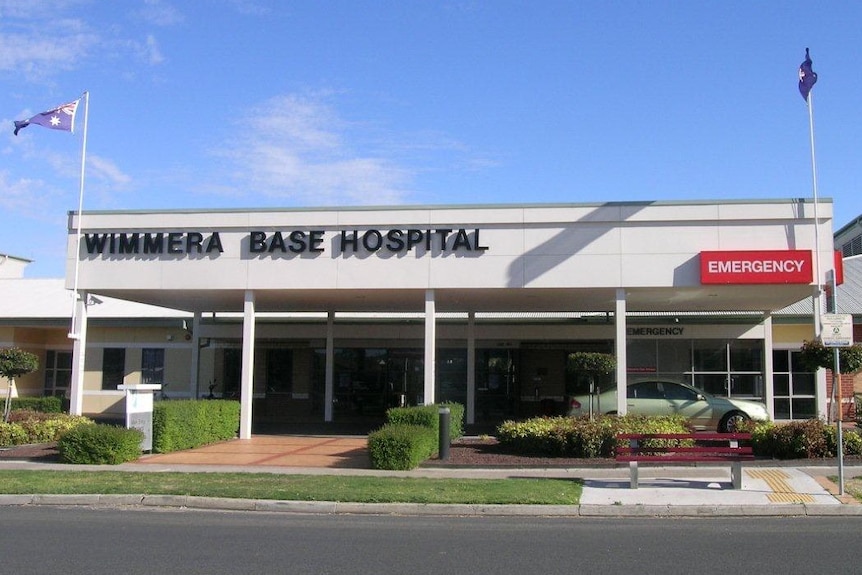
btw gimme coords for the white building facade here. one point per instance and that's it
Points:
(330, 314)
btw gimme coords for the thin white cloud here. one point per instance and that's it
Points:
(29, 197)
(40, 54)
(160, 13)
(106, 171)
(250, 7)
(295, 149)
(152, 54)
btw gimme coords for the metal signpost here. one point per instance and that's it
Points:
(838, 332)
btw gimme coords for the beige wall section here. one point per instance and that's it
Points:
(784, 336)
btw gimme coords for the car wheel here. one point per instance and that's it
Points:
(731, 422)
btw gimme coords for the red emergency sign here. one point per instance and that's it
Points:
(756, 267)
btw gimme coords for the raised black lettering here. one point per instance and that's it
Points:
(154, 243)
(476, 243)
(257, 242)
(129, 243)
(95, 243)
(315, 241)
(414, 237)
(462, 240)
(352, 241)
(297, 242)
(395, 240)
(276, 243)
(372, 240)
(175, 243)
(214, 244)
(194, 242)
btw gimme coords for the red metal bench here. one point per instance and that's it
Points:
(685, 448)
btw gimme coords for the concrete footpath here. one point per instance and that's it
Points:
(768, 488)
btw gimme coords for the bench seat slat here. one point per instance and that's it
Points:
(695, 448)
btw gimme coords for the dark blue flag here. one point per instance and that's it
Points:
(807, 76)
(60, 118)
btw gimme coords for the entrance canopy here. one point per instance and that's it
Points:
(569, 257)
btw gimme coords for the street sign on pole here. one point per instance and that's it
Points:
(837, 330)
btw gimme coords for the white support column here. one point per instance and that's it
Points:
(329, 375)
(247, 379)
(79, 334)
(470, 408)
(430, 347)
(194, 375)
(620, 343)
(768, 388)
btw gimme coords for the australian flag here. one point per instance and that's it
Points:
(60, 118)
(807, 76)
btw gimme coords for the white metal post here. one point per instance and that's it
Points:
(247, 380)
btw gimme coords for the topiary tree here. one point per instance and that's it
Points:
(592, 365)
(14, 363)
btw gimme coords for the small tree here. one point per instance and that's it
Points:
(815, 355)
(14, 363)
(591, 364)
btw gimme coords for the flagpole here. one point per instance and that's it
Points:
(818, 322)
(74, 333)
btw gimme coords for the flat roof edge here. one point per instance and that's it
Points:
(512, 206)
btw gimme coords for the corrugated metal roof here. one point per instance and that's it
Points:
(849, 293)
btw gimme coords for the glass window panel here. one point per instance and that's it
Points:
(780, 361)
(714, 384)
(746, 355)
(781, 384)
(674, 356)
(279, 370)
(641, 356)
(153, 366)
(746, 385)
(804, 408)
(803, 384)
(709, 355)
(782, 408)
(113, 367)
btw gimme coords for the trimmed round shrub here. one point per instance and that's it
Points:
(100, 444)
(401, 447)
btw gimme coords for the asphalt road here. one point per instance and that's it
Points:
(72, 540)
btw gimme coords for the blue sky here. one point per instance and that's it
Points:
(277, 103)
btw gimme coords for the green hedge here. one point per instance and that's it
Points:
(579, 437)
(186, 424)
(411, 435)
(26, 426)
(43, 404)
(98, 444)
(429, 416)
(809, 439)
(400, 446)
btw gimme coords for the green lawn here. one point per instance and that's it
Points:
(358, 489)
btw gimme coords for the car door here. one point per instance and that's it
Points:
(646, 398)
(687, 402)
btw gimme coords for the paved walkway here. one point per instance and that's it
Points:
(663, 491)
(327, 452)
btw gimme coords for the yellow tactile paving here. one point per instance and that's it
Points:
(778, 481)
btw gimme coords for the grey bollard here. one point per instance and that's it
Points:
(444, 434)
